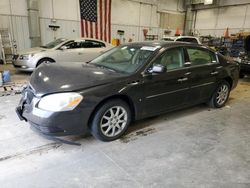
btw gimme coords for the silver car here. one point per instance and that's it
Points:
(60, 50)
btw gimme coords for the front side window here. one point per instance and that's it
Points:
(126, 59)
(200, 56)
(73, 44)
(171, 59)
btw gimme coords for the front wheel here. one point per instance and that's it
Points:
(111, 120)
(220, 96)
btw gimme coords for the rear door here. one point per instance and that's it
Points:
(203, 70)
(168, 90)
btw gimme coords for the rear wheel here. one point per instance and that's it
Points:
(111, 120)
(220, 96)
(43, 61)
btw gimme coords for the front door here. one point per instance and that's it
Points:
(168, 90)
(69, 52)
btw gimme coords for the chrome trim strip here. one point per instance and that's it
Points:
(202, 84)
(152, 96)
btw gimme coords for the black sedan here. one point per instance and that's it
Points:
(127, 83)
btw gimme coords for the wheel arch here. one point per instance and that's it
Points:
(124, 98)
(229, 80)
(43, 58)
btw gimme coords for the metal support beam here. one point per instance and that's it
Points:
(34, 24)
(189, 18)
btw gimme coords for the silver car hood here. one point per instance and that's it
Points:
(32, 50)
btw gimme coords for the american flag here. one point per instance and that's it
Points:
(95, 19)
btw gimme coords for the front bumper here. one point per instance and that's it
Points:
(24, 65)
(73, 122)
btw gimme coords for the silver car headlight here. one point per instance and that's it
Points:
(60, 102)
(25, 56)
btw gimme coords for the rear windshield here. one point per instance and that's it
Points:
(192, 40)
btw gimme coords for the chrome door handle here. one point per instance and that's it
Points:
(214, 73)
(182, 79)
(219, 67)
(187, 73)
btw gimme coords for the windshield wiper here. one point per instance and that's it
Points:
(104, 67)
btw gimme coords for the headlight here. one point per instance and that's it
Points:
(26, 56)
(60, 102)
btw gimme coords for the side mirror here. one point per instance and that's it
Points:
(63, 48)
(158, 68)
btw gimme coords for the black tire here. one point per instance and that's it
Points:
(220, 95)
(44, 60)
(99, 132)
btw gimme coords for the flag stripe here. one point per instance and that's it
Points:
(86, 28)
(109, 20)
(105, 20)
(96, 30)
(91, 29)
(82, 27)
(100, 18)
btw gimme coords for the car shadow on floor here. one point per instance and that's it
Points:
(146, 126)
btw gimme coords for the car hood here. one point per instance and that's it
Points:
(32, 50)
(53, 78)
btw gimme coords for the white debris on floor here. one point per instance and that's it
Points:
(12, 89)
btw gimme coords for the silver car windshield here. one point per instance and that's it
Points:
(54, 43)
(125, 59)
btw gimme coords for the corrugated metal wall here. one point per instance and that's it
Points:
(215, 21)
(18, 27)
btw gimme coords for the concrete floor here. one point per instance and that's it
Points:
(195, 147)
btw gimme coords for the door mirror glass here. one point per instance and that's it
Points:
(158, 68)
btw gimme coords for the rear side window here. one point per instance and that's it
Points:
(92, 44)
(192, 40)
(200, 56)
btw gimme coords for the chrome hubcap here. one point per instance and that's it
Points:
(222, 94)
(114, 121)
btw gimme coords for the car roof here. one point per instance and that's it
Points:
(187, 37)
(162, 44)
(83, 38)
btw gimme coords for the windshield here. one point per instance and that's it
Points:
(125, 59)
(54, 43)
